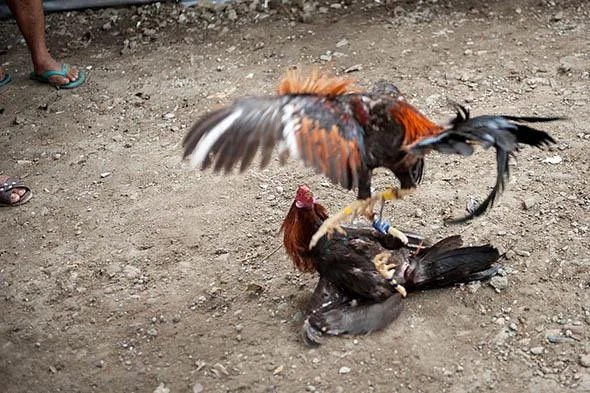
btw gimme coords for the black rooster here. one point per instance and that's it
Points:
(365, 273)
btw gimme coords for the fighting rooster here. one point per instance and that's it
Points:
(345, 134)
(364, 274)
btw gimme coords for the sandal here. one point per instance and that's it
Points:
(7, 188)
(44, 77)
(6, 80)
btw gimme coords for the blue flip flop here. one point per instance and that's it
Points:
(6, 80)
(44, 78)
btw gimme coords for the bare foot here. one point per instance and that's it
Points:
(16, 193)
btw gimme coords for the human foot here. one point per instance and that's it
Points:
(13, 192)
(58, 75)
(4, 77)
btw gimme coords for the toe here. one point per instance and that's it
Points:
(73, 74)
(19, 192)
(58, 80)
(14, 197)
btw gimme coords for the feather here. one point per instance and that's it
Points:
(316, 83)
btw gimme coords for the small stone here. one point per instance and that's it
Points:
(537, 350)
(176, 318)
(344, 370)
(310, 388)
(499, 283)
(239, 328)
(341, 43)
(18, 119)
(353, 68)
(513, 326)
(528, 203)
(554, 160)
(169, 116)
(473, 286)
(131, 271)
(280, 189)
(584, 360)
(197, 388)
(325, 57)
(107, 26)
(557, 17)
(468, 52)
(152, 332)
(232, 15)
(509, 254)
(105, 174)
(162, 389)
(278, 370)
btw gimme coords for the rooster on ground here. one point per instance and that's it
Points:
(345, 134)
(365, 273)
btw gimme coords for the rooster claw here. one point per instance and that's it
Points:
(387, 270)
(332, 224)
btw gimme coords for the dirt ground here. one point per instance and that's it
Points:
(127, 272)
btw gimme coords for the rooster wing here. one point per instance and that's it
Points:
(321, 131)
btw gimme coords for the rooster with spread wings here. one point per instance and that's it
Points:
(345, 134)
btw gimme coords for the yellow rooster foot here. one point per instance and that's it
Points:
(387, 270)
(380, 261)
(360, 207)
(332, 223)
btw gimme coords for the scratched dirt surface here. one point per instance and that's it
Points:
(128, 272)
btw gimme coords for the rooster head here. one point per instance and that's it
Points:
(386, 88)
(304, 198)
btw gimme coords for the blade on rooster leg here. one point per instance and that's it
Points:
(362, 207)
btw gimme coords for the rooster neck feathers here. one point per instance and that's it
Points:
(316, 83)
(415, 125)
(298, 228)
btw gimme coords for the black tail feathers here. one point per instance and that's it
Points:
(441, 265)
(504, 133)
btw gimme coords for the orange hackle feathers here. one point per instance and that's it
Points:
(416, 126)
(298, 228)
(316, 83)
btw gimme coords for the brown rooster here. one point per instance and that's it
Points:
(364, 273)
(345, 134)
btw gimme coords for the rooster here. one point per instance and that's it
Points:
(365, 273)
(345, 134)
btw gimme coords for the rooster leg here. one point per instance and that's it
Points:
(388, 270)
(358, 208)
(390, 194)
(332, 223)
